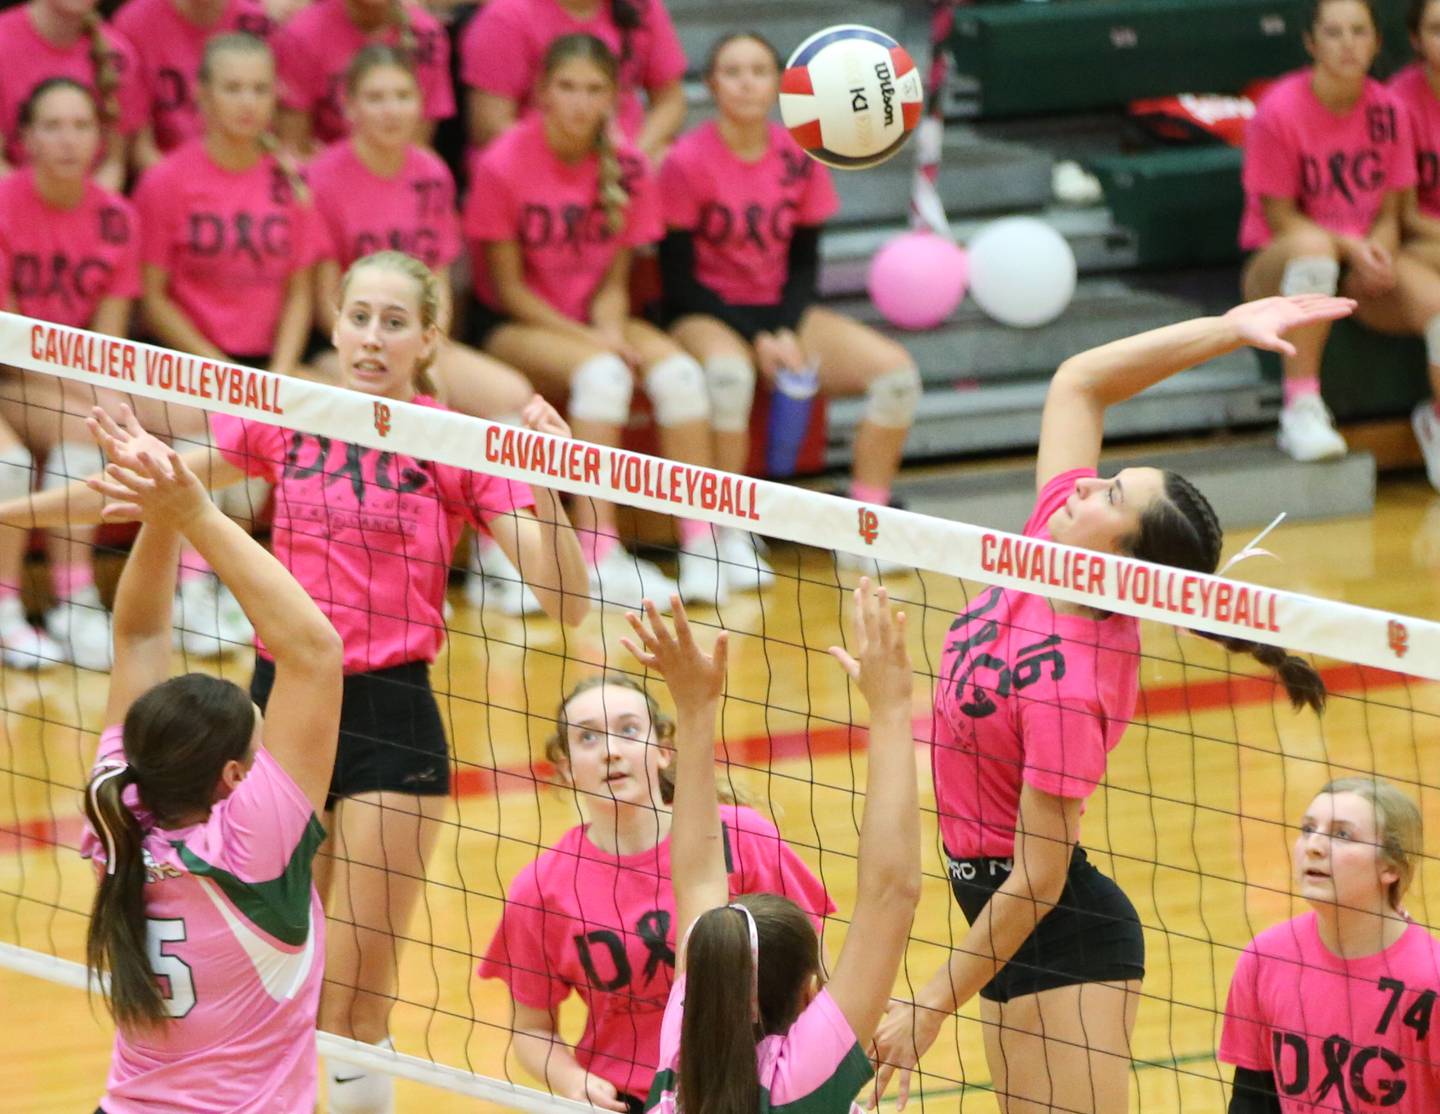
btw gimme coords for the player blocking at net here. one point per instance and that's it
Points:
(202, 824)
(752, 1022)
(370, 536)
(1031, 697)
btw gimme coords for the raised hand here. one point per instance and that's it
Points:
(905, 1033)
(694, 677)
(159, 490)
(540, 416)
(1265, 322)
(122, 442)
(880, 666)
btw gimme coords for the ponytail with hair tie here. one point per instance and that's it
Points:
(612, 195)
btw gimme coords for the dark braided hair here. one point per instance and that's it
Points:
(626, 14)
(1181, 531)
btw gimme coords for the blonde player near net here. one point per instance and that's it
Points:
(1031, 697)
(370, 535)
(753, 1023)
(203, 826)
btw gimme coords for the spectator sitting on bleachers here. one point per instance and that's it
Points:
(1415, 88)
(70, 253)
(744, 207)
(314, 47)
(1328, 160)
(169, 40)
(51, 38)
(504, 45)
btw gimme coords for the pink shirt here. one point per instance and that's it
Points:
(1026, 696)
(1414, 94)
(1353, 1035)
(1337, 169)
(60, 264)
(237, 936)
(315, 46)
(503, 49)
(413, 212)
(816, 1066)
(228, 241)
(743, 214)
(601, 925)
(31, 59)
(169, 48)
(368, 535)
(521, 192)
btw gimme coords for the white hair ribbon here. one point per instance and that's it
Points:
(754, 958)
(107, 837)
(1252, 547)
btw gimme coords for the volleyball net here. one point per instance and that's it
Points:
(1193, 820)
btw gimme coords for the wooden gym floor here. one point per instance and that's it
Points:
(1192, 819)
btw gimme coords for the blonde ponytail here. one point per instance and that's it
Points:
(272, 146)
(613, 198)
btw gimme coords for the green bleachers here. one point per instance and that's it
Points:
(1182, 203)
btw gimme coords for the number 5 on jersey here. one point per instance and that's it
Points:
(177, 985)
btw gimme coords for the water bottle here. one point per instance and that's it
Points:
(795, 390)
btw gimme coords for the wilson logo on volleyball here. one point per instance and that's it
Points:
(869, 525)
(1398, 637)
(382, 419)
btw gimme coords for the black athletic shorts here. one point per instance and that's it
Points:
(635, 1105)
(1092, 935)
(748, 321)
(481, 321)
(391, 734)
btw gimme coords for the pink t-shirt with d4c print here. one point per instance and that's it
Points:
(1026, 696)
(413, 212)
(314, 47)
(60, 264)
(743, 214)
(229, 241)
(521, 192)
(816, 1066)
(236, 937)
(1337, 169)
(368, 534)
(30, 59)
(1410, 88)
(580, 919)
(1355, 1035)
(170, 47)
(503, 50)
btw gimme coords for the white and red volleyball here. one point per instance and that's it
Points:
(851, 96)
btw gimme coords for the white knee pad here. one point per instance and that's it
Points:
(17, 470)
(353, 1090)
(891, 399)
(600, 390)
(731, 380)
(70, 461)
(1432, 339)
(676, 387)
(243, 500)
(1311, 274)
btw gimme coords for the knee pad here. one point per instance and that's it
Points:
(70, 461)
(353, 1090)
(891, 399)
(731, 380)
(243, 500)
(676, 387)
(17, 469)
(1310, 274)
(600, 390)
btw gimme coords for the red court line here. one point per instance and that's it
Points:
(759, 750)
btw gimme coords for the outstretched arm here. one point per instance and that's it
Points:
(1073, 424)
(144, 600)
(695, 680)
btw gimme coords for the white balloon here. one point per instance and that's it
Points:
(1022, 272)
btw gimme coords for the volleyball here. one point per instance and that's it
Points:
(851, 96)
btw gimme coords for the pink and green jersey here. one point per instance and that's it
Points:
(1337, 169)
(581, 920)
(1354, 1035)
(1026, 696)
(236, 938)
(368, 534)
(815, 1067)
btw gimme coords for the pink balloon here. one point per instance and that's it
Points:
(917, 280)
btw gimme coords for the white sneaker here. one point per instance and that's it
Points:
(81, 628)
(874, 567)
(197, 617)
(495, 583)
(21, 645)
(622, 580)
(746, 570)
(236, 630)
(1307, 431)
(1427, 432)
(701, 576)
